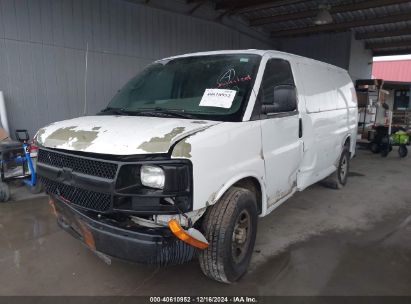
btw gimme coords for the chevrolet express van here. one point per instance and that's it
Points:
(192, 150)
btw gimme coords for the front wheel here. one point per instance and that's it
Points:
(230, 228)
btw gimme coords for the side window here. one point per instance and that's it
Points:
(277, 87)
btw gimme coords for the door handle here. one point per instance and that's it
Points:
(300, 128)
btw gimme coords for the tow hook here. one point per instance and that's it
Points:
(191, 236)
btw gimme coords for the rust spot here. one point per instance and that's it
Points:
(278, 196)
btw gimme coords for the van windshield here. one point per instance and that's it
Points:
(215, 87)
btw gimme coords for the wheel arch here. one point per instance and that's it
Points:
(347, 143)
(247, 181)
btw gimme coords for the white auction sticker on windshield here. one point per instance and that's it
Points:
(218, 98)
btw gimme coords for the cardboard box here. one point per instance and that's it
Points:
(362, 98)
(3, 134)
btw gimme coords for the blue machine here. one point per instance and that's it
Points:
(16, 163)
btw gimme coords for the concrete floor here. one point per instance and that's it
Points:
(356, 241)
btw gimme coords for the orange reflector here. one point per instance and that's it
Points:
(87, 236)
(53, 208)
(180, 233)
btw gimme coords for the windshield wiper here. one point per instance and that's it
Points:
(118, 111)
(147, 112)
(168, 112)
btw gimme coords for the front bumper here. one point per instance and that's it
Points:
(132, 243)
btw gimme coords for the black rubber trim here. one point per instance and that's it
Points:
(279, 115)
(300, 128)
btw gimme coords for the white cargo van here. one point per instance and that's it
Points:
(193, 150)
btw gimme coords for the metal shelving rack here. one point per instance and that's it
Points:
(368, 94)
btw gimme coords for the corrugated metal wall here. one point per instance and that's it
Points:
(331, 48)
(43, 43)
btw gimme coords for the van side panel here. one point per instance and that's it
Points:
(221, 156)
(347, 94)
(328, 119)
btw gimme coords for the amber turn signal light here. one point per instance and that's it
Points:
(87, 236)
(53, 207)
(191, 236)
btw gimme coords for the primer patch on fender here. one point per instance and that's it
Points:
(182, 149)
(69, 137)
(161, 144)
(218, 98)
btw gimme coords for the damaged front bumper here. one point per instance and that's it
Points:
(123, 240)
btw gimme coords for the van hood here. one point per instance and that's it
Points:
(119, 135)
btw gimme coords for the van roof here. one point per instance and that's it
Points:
(258, 52)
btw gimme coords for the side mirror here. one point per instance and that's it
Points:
(284, 100)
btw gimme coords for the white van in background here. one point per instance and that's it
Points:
(193, 149)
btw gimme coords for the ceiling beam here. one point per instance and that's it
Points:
(382, 34)
(251, 4)
(386, 45)
(196, 7)
(392, 52)
(343, 26)
(334, 10)
(230, 4)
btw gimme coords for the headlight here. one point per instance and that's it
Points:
(152, 176)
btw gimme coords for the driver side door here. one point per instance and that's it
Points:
(281, 131)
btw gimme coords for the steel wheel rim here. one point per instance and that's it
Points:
(343, 168)
(241, 236)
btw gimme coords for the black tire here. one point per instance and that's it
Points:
(230, 226)
(4, 192)
(375, 148)
(339, 178)
(402, 151)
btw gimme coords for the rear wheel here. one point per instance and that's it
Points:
(230, 227)
(339, 178)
